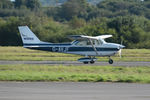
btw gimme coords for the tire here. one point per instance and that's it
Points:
(110, 61)
(92, 62)
(85, 62)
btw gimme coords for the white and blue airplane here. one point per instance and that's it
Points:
(87, 46)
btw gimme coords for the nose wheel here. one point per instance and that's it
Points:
(110, 61)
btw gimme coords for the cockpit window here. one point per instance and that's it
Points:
(88, 43)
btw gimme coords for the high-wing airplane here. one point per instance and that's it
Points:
(87, 46)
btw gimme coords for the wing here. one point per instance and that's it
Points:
(104, 36)
(78, 37)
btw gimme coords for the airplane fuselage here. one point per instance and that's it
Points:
(73, 49)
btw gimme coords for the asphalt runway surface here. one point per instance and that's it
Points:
(76, 63)
(73, 91)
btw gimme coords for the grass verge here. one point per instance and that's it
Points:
(74, 73)
(22, 54)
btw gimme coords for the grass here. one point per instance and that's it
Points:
(74, 73)
(22, 54)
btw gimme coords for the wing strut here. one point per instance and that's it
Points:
(93, 47)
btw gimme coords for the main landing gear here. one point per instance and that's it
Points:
(91, 60)
(87, 60)
(110, 61)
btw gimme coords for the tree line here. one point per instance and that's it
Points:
(126, 20)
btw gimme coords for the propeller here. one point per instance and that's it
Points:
(120, 51)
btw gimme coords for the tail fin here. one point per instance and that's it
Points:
(28, 37)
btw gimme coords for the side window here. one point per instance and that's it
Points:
(88, 43)
(82, 43)
(97, 42)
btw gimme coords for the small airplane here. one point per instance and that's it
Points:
(87, 46)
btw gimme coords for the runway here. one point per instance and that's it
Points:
(76, 63)
(73, 91)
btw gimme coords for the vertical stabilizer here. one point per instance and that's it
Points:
(28, 37)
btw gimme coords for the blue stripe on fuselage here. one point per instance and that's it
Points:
(72, 49)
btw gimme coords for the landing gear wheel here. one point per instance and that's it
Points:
(86, 62)
(92, 62)
(110, 61)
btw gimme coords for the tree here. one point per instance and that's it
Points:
(76, 22)
(32, 4)
(73, 8)
(19, 3)
(9, 33)
(5, 4)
